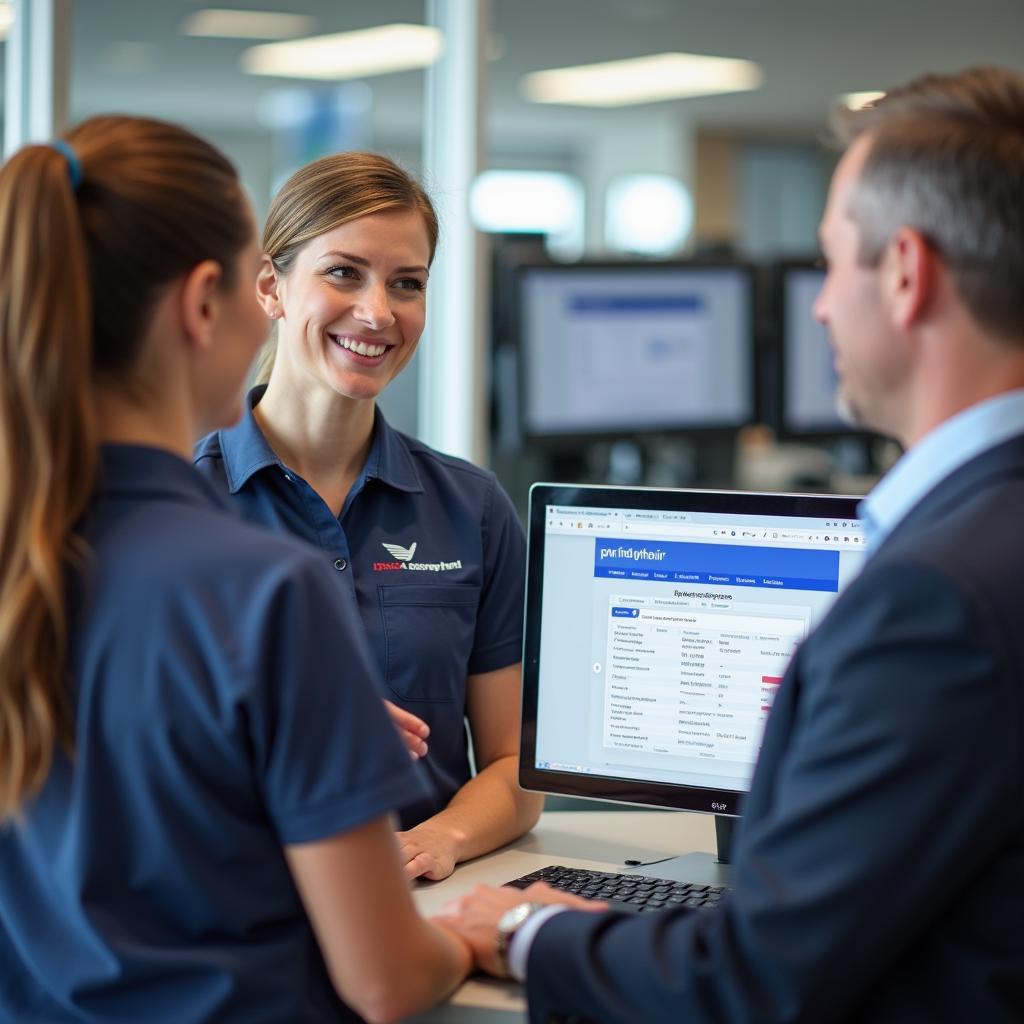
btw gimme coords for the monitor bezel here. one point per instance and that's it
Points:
(621, 790)
(567, 439)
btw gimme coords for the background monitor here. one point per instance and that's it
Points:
(629, 348)
(807, 372)
(659, 624)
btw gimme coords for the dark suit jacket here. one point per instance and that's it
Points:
(879, 866)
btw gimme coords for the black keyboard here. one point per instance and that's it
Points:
(633, 893)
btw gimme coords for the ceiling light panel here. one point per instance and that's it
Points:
(661, 76)
(220, 23)
(374, 51)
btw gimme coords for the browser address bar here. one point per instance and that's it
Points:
(731, 534)
(671, 529)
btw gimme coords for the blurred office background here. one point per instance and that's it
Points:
(639, 307)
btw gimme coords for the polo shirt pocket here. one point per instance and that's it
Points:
(428, 637)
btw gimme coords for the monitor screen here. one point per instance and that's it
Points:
(658, 627)
(634, 348)
(809, 375)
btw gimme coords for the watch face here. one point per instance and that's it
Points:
(511, 919)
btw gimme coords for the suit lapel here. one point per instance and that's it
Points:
(992, 467)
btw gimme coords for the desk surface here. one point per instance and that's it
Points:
(592, 839)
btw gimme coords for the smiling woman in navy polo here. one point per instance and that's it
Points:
(428, 546)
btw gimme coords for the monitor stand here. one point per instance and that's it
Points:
(724, 828)
(704, 868)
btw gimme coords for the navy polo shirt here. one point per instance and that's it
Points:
(224, 706)
(431, 551)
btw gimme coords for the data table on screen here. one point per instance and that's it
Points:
(691, 683)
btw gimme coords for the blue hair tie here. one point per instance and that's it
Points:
(74, 166)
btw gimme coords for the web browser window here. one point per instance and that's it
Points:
(665, 636)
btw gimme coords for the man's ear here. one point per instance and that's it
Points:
(200, 302)
(908, 276)
(268, 289)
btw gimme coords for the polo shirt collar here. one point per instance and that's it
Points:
(245, 451)
(243, 447)
(135, 470)
(394, 464)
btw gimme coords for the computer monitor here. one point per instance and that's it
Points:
(631, 348)
(659, 624)
(807, 374)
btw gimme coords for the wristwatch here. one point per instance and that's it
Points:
(508, 924)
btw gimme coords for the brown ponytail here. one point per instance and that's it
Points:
(80, 273)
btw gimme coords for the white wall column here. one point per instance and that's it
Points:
(452, 360)
(37, 79)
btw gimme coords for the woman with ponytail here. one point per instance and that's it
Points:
(193, 813)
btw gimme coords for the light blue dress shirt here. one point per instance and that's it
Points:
(948, 447)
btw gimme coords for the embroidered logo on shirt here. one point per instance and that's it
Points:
(403, 560)
(400, 554)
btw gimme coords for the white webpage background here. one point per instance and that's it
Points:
(669, 364)
(650, 369)
(572, 711)
(811, 378)
(691, 683)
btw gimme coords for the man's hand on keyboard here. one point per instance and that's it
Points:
(475, 916)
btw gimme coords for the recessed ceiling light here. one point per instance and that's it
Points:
(661, 76)
(859, 100)
(374, 51)
(225, 24)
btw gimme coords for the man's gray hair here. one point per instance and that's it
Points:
(947, 158)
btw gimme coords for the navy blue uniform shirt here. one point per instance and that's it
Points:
(432, 552)
(224, 706)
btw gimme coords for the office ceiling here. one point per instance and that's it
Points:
(129, 55)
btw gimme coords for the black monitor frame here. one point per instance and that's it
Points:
(621, 790)
(558, 440)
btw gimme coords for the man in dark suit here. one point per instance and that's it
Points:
(879, 867)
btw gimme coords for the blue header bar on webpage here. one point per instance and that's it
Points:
(636, 304)
(730, 565)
